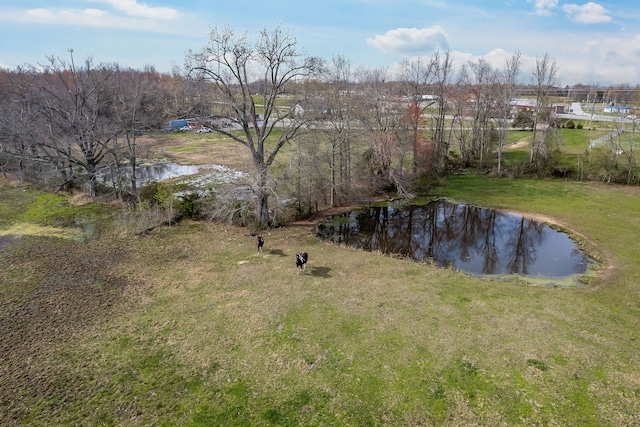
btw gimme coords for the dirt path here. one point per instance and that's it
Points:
(520, 144)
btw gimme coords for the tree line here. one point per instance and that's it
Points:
(350, 131)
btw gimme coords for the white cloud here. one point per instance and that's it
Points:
(604, 60)
(497, 58)
(544, 7)
(614, 51)
(141, 10)
(589, 13)
(126, 14)
(411, 40)
(90, 17)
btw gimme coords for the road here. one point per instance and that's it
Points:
(577, 113)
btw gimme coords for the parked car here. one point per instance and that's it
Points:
(204, 130)
(185, 129)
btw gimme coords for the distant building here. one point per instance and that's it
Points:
(524, 104)
(177, 124)
(620, 109)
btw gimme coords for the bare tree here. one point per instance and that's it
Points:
(632, 164)
(506, 87)
(481, 80)
(458, 130)
(61, 118)
(443, 66)
(339, 115)
(308, 171)
(380, 115)
(141, 102)
(75, 105)
(416, 76)
(232, 62)
(19, 119)
(544, 76)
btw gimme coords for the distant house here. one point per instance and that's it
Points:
(177, 124)
(620, 109)
(524, 104)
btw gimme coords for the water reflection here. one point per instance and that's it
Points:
(476, 240)
(161, 172)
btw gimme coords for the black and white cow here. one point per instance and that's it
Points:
(301, 261)
(260, 243)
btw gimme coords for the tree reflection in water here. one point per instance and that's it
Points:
(476, 240)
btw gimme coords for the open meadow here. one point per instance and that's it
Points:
(188, 326)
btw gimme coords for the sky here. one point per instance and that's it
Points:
(592, 42)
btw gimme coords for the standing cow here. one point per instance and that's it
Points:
(301, 261)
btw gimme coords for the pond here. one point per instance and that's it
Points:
(164, 171)
(198, 175)
(476, 240)
(153, 172)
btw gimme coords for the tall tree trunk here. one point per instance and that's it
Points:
(263, 197)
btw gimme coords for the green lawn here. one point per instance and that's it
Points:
(188, 326)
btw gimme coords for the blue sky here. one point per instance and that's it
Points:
(593, 42)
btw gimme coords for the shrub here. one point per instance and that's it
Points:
(189, 205)
(158, 194)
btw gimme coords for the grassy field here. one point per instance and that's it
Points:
(188, 326)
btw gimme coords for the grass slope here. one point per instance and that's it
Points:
(189, 326)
